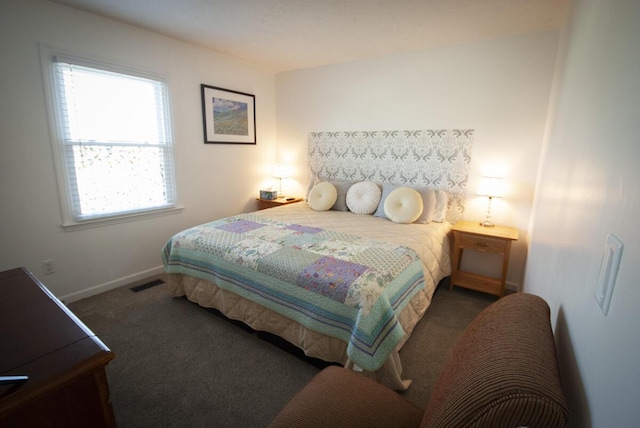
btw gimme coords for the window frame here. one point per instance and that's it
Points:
(57, 125)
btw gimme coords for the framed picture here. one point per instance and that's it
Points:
(229, 117)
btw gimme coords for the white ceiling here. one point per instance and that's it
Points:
(281, 35)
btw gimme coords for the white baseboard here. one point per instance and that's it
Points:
(512, 286)
(101, 288)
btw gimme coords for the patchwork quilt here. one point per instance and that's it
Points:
(334, 283)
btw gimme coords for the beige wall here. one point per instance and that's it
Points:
(213, 180)
(498, 87)
(589, 187)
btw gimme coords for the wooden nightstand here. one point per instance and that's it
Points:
(263, 204)
(472, 236)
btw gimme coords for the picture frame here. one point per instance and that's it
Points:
(229, 117)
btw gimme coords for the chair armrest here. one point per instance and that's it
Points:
(503, 371)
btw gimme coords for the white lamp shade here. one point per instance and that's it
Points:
(492, 187)
(281, 171)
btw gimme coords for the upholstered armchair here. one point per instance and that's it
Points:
(502, 372)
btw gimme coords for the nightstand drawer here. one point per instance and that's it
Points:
(482, 243)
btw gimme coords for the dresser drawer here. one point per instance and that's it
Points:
(482, 243)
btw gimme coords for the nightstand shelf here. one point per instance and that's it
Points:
(474, 237)
(263, 204)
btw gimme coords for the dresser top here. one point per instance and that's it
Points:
(39, 336)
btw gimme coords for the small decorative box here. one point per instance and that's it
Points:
(269, 194)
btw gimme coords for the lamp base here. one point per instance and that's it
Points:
(486, 223)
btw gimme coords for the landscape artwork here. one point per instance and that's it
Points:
(228, 116)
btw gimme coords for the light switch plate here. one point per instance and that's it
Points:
(608, 272)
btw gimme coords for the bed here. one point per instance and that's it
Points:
(343, 287)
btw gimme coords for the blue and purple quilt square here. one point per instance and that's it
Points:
(240, 226)
(330, 277)
(298, 228)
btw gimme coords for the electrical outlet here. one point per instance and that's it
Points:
(47, 267)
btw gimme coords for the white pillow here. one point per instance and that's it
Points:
(428, 205)
(322, 196)
(403, 205)
(363, 197)
(442, 206)
(313, 180)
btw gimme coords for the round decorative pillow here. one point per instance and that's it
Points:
(403, 205)
(322, 196)
(363, 197)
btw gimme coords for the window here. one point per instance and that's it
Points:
(114, 139)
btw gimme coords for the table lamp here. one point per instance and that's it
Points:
(280, 171)
(492, 187)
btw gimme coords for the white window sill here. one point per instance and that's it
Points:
(99, 222)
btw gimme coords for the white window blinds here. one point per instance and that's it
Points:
(115, 137)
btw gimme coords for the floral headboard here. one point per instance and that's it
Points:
(436, 158)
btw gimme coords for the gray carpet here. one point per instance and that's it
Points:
(179, 365)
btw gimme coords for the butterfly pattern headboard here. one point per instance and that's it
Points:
(436, 158)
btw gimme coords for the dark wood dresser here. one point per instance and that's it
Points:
(64, 360)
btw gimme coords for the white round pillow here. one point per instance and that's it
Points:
(363, 197)
(403, 205)
(322, 196)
